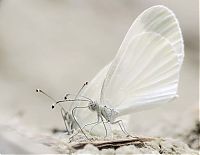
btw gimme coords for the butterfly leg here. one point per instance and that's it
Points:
(97, 123)
(110, 126)
(104, 126)
(77, 121)
(122, 127)
(82, 129)
(63, 113)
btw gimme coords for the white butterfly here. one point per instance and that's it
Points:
(145, 71)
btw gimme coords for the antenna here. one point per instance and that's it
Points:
(75, 99)
(86, 83)
(40, 91)
(69, 100)
(66, 96)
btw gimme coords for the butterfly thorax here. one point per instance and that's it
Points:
(103, 111)
(108, 113)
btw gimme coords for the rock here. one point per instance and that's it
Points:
(108, 151)
(192, 137)
(127, 150)
(88, 149)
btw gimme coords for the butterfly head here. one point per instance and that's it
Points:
(93, 106)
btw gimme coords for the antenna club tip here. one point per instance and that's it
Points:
(66, 96)
(52, 106)
(86, 82)
(38, 90)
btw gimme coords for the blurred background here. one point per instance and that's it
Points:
(57, 45)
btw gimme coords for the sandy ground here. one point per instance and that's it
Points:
(58, 45)
(18, 139)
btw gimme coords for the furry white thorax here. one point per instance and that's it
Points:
(103, 111)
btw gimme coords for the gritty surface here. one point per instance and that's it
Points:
(142, 145)
(192, 137)
(38, 142)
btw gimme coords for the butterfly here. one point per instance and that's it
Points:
(144, 73)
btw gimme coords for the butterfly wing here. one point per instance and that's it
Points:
(138, 76)
(158, 19)
(145, 74)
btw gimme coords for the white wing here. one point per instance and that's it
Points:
(146, 73)
(158, 19)
(143, 77)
